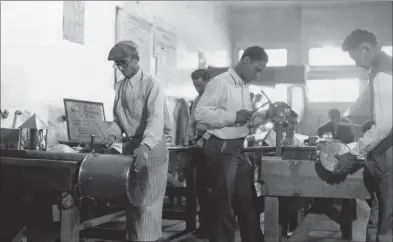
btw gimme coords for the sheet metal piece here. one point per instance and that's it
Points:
(110, 179)
(326, 155)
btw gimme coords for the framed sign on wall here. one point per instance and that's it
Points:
(84, 118)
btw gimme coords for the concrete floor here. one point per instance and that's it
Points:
(322, 232)
(325, 231)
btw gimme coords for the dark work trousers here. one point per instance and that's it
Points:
(378, 177)
(233, 192)
(203, 192)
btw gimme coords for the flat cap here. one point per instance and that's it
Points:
(122, 50)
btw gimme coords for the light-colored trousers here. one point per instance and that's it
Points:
(144, 221)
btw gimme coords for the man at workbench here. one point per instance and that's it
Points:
(376, 144)
(225, 107)
(289, 138)
(139, 111)
(200, 78)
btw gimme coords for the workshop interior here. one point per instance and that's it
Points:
(181, 120)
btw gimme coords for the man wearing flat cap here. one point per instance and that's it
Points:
(377, 142)
(141, 113)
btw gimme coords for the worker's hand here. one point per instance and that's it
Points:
(109, 140)
(346, 162)
(287, 141)
(367, 126)
(242, 116)
(140, 157)
(192, 138)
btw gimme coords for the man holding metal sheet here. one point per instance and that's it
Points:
(139, 110)
(225, 108)
(376, 144)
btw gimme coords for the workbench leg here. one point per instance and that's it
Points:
(191, 206)
(69, 220)
(346, 219)
(272, 227)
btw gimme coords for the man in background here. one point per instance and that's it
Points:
(225, 108)
(376, 143)
(200, 78)
(139, 111)
(338, 126)
(289, 138)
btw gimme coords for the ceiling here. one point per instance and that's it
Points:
(236, 5)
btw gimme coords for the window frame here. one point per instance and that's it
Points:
(320, 72)
(328, 65)
(386, 47)
(332, 90)
(240, 53)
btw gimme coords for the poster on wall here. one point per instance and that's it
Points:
(74, 21)
(165, 51)
(140, 31)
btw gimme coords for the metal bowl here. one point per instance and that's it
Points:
(327, 152)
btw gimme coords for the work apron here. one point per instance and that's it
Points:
(144, 220)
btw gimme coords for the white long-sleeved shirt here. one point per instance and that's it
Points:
(224, 95)
(383, 115)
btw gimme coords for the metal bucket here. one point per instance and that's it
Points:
(327, 152)
(110, 179)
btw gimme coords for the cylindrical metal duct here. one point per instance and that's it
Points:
(111, 179)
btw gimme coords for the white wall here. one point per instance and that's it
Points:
(39, 68)
(199, 25)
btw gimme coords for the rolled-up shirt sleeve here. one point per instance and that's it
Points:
(383, 116)
(155, 111)
(208, 111)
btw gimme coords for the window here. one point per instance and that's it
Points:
(217, 58)
(275, 94)
(277, 57)
(187, 60)
(329, 56)
(387, 50)
(336, 90)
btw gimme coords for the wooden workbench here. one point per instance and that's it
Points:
(306, 179)
(280, 178)
(56, 173)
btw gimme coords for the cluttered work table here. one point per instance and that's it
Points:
(281, 177)
(285, 174)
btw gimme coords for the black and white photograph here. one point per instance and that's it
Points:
(196, 121)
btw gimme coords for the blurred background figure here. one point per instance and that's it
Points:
(338, 127)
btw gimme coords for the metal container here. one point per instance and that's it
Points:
(110, 179)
